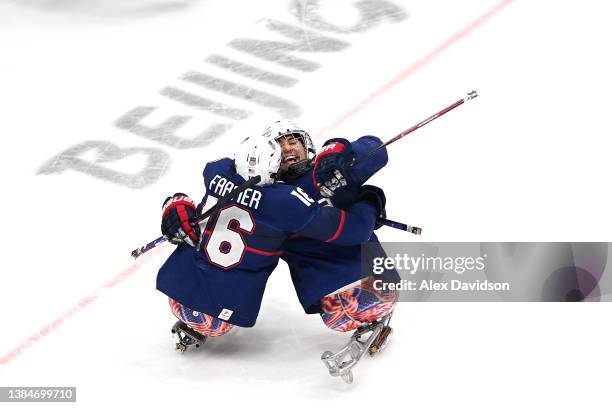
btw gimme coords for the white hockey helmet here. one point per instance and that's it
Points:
(258, 156)
(283, 128)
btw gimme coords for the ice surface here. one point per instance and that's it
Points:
(526, 161)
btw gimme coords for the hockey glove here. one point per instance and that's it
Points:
(178, 213)
(332, 175)
(376, 197)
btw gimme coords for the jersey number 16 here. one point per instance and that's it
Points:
(225, 247)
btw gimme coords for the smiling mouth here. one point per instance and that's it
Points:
(289, 159)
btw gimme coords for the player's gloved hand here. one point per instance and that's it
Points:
(178, 213)
(332, 175)
(376, 197)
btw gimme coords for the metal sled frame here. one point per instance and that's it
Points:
(187, 336)
(340, 364)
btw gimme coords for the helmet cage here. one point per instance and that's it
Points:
(286, 128)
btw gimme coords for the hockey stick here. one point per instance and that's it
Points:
(401, 226)
(231, 195)
(396, 224)
(468, 97)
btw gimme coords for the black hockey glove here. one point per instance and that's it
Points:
(178, 213)
(375, 196)
(332, 176)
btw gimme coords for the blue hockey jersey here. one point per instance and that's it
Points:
(226, 275)
(319, 268)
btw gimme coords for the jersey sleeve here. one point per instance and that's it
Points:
(301, 214)
(342, 227)
(362, 171)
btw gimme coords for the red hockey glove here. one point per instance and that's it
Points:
(179, 212)
(332, 175)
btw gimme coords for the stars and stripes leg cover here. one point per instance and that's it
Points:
(200, 322)
(356, 307)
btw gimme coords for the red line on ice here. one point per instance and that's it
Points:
(418, 64)
(47, 329)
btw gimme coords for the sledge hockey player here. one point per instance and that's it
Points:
(328, 277)
(216, 276)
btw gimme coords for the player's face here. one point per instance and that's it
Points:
(292, 151)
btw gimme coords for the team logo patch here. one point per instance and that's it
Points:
(226, 314)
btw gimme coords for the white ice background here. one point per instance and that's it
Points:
(529, 160)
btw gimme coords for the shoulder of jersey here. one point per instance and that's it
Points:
(223, 165)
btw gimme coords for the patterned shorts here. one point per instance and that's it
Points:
(200, 322)
(356, 307)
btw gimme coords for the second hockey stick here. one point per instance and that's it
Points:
(401, 226)
(396, 224)
(468, 97)
(231, 195)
